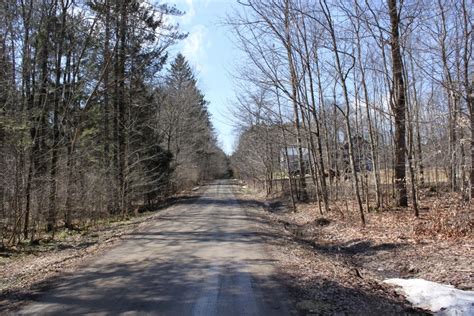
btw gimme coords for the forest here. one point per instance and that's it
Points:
(349, 189)
(358, 105)
(96, 120)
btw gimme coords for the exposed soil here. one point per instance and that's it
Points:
(333, 265)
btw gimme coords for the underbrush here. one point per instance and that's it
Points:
(87, 227)
(442, 216)
(435, 246)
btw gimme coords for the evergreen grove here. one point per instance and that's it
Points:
(93, 122)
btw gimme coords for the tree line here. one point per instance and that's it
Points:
(92, 122)
(372, 99)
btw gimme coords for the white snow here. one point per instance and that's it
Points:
(439, 298)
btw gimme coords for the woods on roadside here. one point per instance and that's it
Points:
(363, 101)
(92, 122)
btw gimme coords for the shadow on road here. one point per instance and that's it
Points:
(154, 287)
(160, 270)
(159, 287)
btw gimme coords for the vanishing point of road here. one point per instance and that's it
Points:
(202, 257)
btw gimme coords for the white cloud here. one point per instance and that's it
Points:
(195, 47)
(190, 13)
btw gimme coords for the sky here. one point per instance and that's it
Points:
(212, 55)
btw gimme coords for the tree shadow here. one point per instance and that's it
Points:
(321, 296)
(161, 270)
(187, 286)
(191, 285)
(354, 247)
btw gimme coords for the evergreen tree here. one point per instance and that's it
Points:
(185, 121)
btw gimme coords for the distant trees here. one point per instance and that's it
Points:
(185, 123)
(257, 155)
(82, 130)
(394, 77)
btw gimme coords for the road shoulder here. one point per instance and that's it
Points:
(321, 283)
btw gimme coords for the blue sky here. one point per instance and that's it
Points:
(212, 54)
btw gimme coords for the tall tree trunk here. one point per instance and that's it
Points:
(468, 76)
(120, 100)
(285, 142)
(411, 147)
(67, 80)
(313, 110)
(55, 148)
(345, 112)
(452, 99)
(106, 106)
(294, 91)
(39, 130)
(398, 106)
(27, 95)
(373, 148)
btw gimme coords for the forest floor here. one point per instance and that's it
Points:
(334, 265)
(26, 269)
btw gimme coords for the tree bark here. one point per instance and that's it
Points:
(398, 106)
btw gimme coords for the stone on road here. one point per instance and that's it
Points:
(201, 257)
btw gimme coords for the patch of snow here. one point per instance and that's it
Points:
(439, 298)
(195, 188)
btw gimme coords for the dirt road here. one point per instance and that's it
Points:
(198, 258)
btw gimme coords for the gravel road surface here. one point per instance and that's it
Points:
(200, 257)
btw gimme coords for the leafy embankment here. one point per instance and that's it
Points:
(332, 264)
